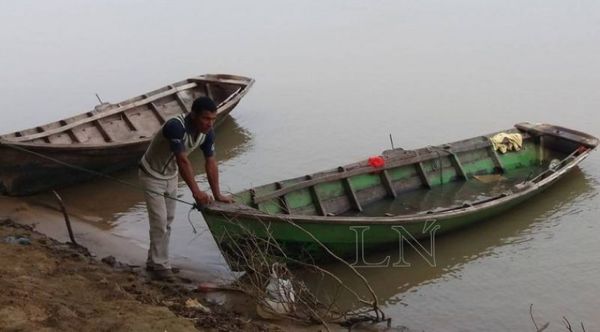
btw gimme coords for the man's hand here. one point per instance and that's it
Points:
(202, 198)
(224, 199)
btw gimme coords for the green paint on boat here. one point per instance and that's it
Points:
(359, 207)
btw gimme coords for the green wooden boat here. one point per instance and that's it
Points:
(360, 207)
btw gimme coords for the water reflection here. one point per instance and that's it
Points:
(455, 249)
(103, 201)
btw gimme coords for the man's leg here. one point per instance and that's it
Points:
(170, 204)
(158, 253)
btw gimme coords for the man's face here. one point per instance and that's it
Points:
(204, 121)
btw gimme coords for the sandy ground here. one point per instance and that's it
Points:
(44, 215)
(52, 286)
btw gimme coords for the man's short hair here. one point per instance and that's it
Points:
(202, 104)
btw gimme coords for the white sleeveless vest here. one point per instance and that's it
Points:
(159, 161)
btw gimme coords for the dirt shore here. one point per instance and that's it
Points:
(46, 285)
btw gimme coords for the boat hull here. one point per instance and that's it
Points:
(30, 166)
(310, 237)
(23, 173)
(306, 242)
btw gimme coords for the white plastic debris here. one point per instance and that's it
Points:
(280, 292)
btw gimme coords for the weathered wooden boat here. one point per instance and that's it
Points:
(414, 193)
(109, 138)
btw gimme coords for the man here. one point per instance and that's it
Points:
(166, 157)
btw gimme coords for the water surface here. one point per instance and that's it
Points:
(334, 79)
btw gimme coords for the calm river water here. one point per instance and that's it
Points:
(333, 80)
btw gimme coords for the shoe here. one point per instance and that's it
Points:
(151, 268)
(161, 275)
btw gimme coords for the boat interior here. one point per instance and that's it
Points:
(427, 180)
(134, 119)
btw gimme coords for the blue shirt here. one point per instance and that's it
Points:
(174, 130)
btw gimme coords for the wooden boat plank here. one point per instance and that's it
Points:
(41, 130)
(103, 131)
(316, 199)
(458, 165)
(338, 205)
(307, 183)
(496, 159)
(128, 121)
(387, 183)
(218, 81)
(71, 134)
(422, 174)
(283, 200)
(351, 193)
(565, 133)
(159, 116)
(116, 110)
(208, 91)
(180, 101)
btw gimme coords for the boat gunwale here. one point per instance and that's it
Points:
(245, 84)
(362, 167)
(529, 187)
(405, 219)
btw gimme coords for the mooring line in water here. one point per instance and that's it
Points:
(96, 173)
(193, 206)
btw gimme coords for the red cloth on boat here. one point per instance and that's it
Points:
(376, 161)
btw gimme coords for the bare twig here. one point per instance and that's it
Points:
(264, 260)
(66, 215)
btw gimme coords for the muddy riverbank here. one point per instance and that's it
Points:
(46, 285)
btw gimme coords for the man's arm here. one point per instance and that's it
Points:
(187, 173)
(212, 173)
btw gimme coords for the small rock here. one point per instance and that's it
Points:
(168, 303)
(64, 312)
(216, 299)
(109, 260)
(22, 240)
(194, 304)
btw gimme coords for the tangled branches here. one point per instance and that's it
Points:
(543, 327)
(274, 279)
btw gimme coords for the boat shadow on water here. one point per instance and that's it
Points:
(452, 251)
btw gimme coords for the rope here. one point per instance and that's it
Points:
(99, 174)
(193, 206)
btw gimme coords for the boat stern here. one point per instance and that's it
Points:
(565, 135)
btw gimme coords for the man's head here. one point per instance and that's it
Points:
(204, 114)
